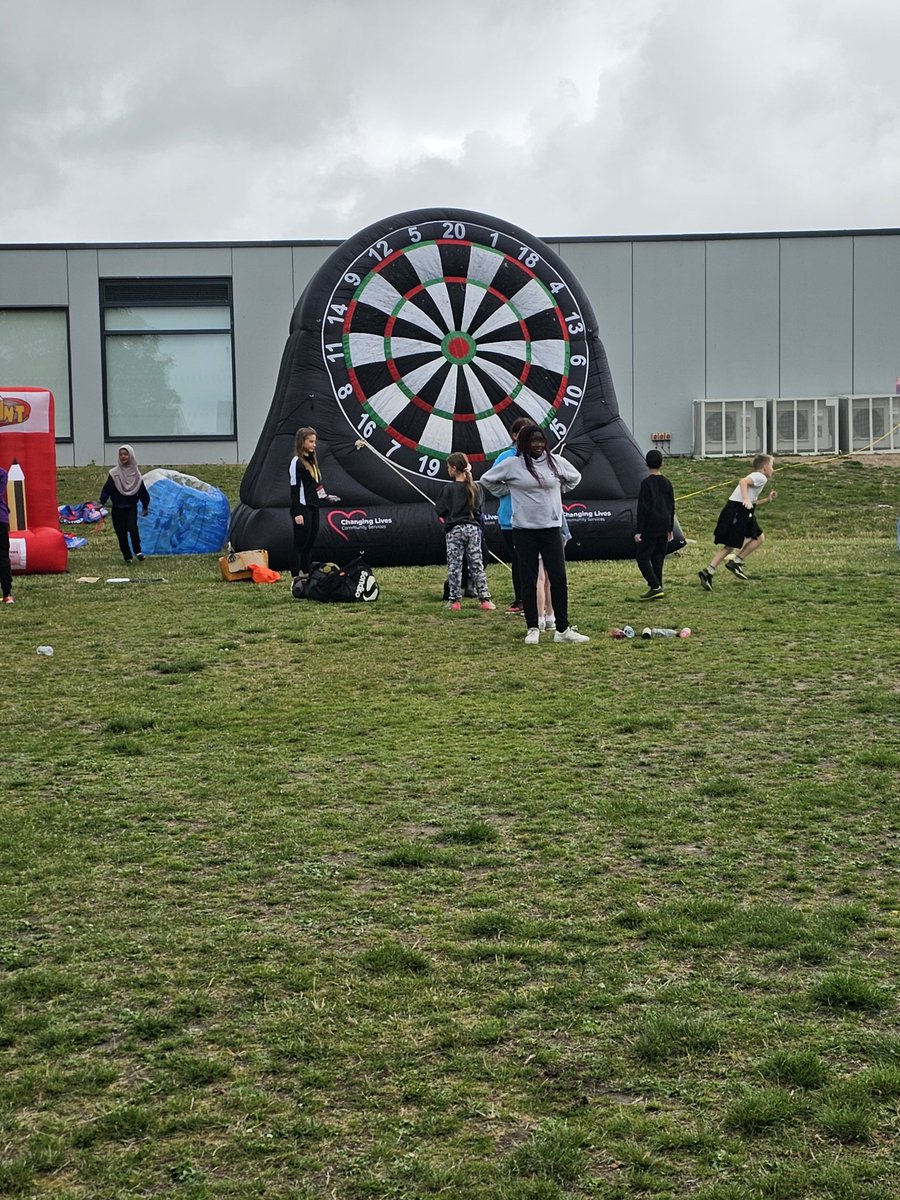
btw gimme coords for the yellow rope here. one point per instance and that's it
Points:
(807, 462)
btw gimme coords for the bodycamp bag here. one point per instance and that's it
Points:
(329, 583)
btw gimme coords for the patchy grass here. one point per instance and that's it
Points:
(290, 906)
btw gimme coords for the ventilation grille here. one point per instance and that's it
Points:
(141, 293)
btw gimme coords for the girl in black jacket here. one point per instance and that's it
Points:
(307, 493)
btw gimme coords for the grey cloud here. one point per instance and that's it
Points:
(296, 118)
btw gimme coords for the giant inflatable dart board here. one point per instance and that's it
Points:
(428, 333)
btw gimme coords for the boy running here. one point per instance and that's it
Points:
(737, 529)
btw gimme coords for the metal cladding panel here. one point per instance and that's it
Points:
(816, 316)
(263, 300)
(604, 271)
(164, 261)
(306, 260)
(742, 318)
(33, 279)
(876, 317)
(669, 307)
(86, 353)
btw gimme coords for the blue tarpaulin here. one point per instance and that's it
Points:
(187, 516)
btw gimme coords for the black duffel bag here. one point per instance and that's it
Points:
(327, 582)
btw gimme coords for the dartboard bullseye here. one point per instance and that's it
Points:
(439, 335)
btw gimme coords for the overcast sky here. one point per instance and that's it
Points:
(207, 120)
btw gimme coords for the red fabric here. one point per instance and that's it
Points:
(263, 574)
(38, 551)
(27, 434)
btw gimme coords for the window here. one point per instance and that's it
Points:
(168, 362)
(34, 352)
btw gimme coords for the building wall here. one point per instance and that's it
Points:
(680, 319)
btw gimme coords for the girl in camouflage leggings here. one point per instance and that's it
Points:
(459, 507)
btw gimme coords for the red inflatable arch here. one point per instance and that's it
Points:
(28, 454)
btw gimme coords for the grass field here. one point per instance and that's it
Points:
(321, 901)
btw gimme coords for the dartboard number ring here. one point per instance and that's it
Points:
(438, 335)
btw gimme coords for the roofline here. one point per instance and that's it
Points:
(564, 239)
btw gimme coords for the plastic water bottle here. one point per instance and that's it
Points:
(47, 651)
(657, 632)
(628, 631)
(684, 633)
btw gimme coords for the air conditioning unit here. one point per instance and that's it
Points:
(726, 427)
(873, 423)
(805, 425)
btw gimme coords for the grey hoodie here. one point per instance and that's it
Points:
(536, 505)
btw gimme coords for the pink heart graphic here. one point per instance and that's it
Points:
(340, 512)
(569, 507)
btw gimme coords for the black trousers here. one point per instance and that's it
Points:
(125, 523)
(650, 556)
(547, 544)
(509, 539)
(304, 537)
(5, 565)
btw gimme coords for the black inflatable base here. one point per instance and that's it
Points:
(599, 531)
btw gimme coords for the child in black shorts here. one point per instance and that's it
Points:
(737, 529)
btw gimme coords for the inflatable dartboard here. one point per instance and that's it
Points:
(427, 333)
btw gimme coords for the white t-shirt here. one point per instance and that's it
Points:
(757, 482)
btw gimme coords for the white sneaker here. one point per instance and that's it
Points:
(550, 623)
(570, 635)
(533, 636)
(542, 623)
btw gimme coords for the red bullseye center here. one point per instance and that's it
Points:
(458, 347)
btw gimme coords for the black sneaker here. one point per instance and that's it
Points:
(653, 594)
(736, 568)
(706, 579)
(139, 557)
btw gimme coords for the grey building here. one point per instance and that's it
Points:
(724, 343)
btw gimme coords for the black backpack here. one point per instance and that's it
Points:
(329, 583)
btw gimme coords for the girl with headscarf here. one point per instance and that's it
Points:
(124, 489)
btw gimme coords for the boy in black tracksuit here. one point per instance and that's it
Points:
(654, 525)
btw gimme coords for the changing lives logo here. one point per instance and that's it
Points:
(354, 520)
(13, 411)
(579, 513)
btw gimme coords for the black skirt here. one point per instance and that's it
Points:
(735, 525)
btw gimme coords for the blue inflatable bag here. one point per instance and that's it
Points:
(187, 516)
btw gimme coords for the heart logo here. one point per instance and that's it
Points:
(577, 504)
(340, 512)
